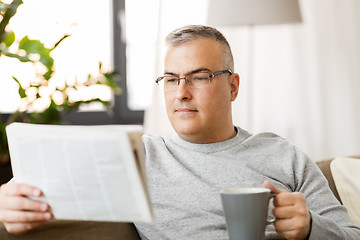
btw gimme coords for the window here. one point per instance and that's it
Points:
(95, 36)
(141, 37)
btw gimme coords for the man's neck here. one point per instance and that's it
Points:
(211, 137)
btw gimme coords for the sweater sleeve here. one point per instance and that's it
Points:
(329, 218)
(323, 228)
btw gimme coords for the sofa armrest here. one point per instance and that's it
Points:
(79, 230)
(325, 169)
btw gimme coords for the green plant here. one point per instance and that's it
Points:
(59, 102)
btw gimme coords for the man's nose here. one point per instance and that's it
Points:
(179, 80)
(183, 90)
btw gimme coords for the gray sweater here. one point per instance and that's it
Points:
(185, 180)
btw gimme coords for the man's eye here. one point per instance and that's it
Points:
(170, 79)
(200, 78)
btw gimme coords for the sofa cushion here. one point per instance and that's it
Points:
(346, 174)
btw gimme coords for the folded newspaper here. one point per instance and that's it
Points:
(93, 173)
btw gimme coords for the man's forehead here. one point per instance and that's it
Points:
(203, 54)
(195, 70)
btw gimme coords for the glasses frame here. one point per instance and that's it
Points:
(215, 74)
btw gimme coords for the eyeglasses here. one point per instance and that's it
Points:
(193, 80)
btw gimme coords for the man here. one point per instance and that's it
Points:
(186, 171)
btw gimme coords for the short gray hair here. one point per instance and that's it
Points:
(193, 32)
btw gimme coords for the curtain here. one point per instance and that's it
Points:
(301, 81)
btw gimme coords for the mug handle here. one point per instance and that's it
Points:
(272, 220)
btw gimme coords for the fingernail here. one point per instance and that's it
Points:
(37, 192)
(43, 206)
(47, 215)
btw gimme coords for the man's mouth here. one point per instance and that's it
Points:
(186, 110)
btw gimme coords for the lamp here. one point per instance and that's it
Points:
(250, 13)
(253, 12)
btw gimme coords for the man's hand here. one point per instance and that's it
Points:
(19, 213)
(293, 216)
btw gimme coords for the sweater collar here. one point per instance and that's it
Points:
(210, 147)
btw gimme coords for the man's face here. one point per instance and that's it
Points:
(200, 115)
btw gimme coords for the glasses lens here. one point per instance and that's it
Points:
(194, 80)
(198, 80)
(169, 82)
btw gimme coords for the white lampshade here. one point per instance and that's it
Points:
(253, 12)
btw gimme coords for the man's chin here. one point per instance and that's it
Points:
(188, 132)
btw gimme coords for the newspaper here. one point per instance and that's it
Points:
(91, 173)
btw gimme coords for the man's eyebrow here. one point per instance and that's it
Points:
(193, 71)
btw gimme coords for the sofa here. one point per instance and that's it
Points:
(78, 230)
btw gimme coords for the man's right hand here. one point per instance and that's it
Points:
(19, 213)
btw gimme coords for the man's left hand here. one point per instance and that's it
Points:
(293, 216)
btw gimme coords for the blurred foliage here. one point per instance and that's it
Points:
(34, 51)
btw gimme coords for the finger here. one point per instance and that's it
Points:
(289, 198)
(20, 189)
(285, 199)
(291, 230)
(292, 234)
(283, 212)
(269, 185)
(9, 216)
(20, 228)
(292, 224)
(23, 203)
(283, 225)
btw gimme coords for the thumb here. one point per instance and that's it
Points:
(269, 185)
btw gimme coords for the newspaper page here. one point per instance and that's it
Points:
(86, 172)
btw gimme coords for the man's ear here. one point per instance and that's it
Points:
(234, 84)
